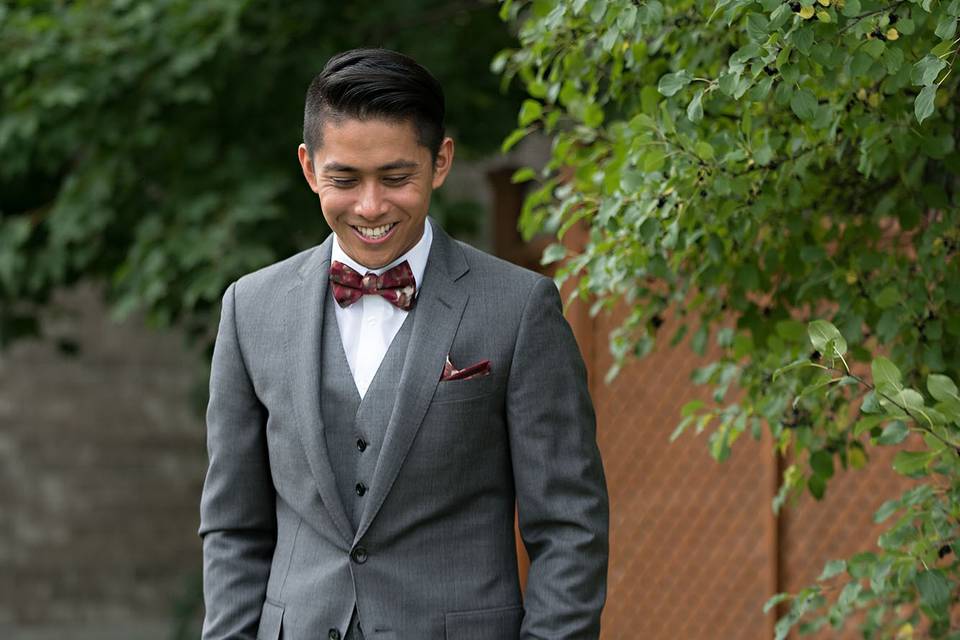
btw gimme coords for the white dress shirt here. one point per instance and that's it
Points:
(368, 326)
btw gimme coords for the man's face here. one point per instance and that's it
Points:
(374, 180)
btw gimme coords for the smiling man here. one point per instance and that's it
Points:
(382, 404)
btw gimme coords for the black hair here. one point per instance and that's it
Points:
(375, 84)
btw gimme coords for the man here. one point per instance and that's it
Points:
(381, 403)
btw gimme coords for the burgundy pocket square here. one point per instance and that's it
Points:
(450, 372)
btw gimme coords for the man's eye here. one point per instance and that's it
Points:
(343, 182)
(394, 180)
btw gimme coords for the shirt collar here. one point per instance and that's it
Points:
(416, 256)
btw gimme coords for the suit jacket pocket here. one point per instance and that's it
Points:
(271, 618)
(501, 623)
(461, 390)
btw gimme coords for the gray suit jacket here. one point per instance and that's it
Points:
(434, 556)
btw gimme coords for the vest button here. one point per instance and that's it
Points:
(361, 489)
(361, 444)
(333, 634)
(359, 555)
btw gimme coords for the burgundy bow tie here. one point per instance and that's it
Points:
(396, 285)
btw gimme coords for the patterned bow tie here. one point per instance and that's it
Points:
(397, 285)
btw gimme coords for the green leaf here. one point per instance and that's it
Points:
(942, 388)
(848, 594)
(804, 104)
(885, 373)
(851, 8)
(691, 408)
(530, 111)
(832, 569)
(875, 48)
(695, 108)
(926, 70)
(822, 463)
(523, 174)
(553, 253)
(817, 486)
(923, 105)
(704, 150)
(799, 364)
(908, 463)
(946, 27)
(934, 588)
(758, 26)
(894, 433)
(870, 403)
(515, 136)
(826, 339)
(671, 83)
(886, 510)
(774, 601)
(802, 39)
(593, 115)
(888, 297)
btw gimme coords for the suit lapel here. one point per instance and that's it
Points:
(440, 306)
(307, 298)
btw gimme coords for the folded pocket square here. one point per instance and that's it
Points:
(450, 372)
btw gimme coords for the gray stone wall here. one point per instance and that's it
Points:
(101, 464)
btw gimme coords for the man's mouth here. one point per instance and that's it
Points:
(375, 233)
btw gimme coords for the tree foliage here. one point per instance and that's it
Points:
(151, 145)
(756, 165)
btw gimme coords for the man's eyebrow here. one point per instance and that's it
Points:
(398, 164)
(335, 166)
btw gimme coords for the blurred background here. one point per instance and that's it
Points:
(148, 160)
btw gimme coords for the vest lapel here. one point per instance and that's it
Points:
(303, 352)
(440, 307)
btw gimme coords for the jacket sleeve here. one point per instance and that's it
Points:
(237, 508)
(561, 492)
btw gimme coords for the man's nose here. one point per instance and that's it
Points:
(370, 203)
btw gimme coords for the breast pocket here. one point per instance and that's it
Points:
(464, 390)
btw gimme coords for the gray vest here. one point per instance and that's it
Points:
(355, 429)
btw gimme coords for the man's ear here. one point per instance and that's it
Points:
(441, 166)
(306, 163)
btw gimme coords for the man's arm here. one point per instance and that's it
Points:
(561, 492)
(237, 509)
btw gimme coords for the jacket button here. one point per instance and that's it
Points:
(361, 489)
(334, 634)
(359, 555)
(361, 444)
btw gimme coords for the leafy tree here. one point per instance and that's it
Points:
(150, 145)
(756, 165)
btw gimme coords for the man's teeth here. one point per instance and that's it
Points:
(374, 233)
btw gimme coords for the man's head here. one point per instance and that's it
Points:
(374, 150)
(375, 84)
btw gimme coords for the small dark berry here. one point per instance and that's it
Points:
(815, 356)
(944, 550)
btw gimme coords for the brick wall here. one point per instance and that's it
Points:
(101, 462)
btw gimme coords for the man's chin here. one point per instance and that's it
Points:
(371, 259)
